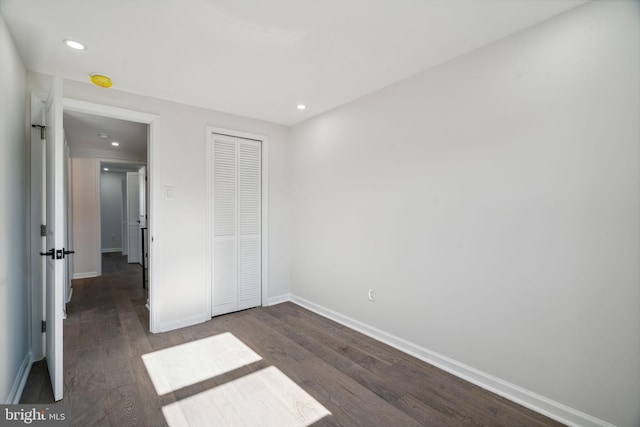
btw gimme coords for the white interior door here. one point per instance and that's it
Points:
(142, 212)
(38, 218)
(133, 217)
(55, 236)
(237, 254)
(125, 222)
(68, 233)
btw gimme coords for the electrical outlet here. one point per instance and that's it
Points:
(372, 295)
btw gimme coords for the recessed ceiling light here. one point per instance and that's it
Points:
(103, 135)
(106, 169)
(302, 107)
(115, 144)
(74, 44)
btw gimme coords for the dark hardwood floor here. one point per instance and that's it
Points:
(360, 381)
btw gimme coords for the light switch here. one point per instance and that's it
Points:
(168, 192)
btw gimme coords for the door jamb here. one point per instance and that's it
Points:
(36, 296)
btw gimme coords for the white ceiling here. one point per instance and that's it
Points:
(82, 134)
(120, 167)
(260, 58)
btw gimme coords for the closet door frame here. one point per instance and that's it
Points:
(264, 142)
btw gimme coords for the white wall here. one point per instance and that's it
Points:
(111, 210)
(493, 203)
(180, 284)
(14, 320)
(85, 206)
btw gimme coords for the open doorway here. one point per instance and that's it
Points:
(123, 215)
(104, 152)
(135, 134)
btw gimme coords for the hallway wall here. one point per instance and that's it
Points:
(85, 206)
(111, 211)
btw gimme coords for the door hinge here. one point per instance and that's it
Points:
(43, 230)
(44, 326)
(43, 132)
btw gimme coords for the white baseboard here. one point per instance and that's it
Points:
(109, 250)
(86, 275)
(550, 408)
(182, 323)
(20, 381)
(278, 299)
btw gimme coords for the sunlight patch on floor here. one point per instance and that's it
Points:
(264, 398)
(182, 365)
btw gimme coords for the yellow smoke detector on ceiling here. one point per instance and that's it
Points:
(100, 80)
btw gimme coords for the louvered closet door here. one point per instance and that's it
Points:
(249, 207)
(237, 282)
